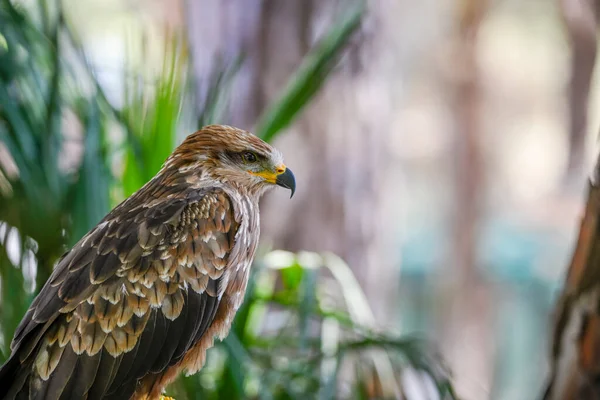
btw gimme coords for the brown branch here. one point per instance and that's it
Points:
(580, 19)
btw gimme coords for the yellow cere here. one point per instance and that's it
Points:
(271, 176)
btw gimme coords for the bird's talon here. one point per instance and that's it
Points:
(166, 398)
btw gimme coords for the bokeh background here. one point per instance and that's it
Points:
(441, 150)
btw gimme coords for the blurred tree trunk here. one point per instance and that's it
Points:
(574, 356)
(271, 36)
(469, 334)
(575, 352)
(580, 18)
(335, 151)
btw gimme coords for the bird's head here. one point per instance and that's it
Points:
(234, 157)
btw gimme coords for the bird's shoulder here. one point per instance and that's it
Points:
(140, 252)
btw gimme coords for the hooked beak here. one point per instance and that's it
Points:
(286, 179)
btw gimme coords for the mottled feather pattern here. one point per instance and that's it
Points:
(114, 315)
(143, 294)
(127, 285)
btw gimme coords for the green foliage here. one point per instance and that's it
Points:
(310, 76)
(151, 114)
(45, 202)
(299, 341)
(305, 328)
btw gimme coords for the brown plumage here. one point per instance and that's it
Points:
(142, 296)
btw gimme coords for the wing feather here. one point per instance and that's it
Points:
(54, 388)
(130, 299)
(104, 376)
(173, 334)
(195, 309)
(82, 377)
(133, 366)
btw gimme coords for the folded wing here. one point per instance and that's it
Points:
(130, 299)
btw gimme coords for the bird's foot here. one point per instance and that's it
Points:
(166, 398)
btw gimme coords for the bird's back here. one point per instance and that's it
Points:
(136, 300)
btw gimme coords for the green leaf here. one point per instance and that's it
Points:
(90, 197)
(152, 116)
(307, 305)
(232, 384)
(220, 82)
(292, 276)
(14, 297)
(310, 76)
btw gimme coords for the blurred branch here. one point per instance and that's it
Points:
(575, 352)
(580, 19)
(469, 293)
(576, 335)
(467, 157)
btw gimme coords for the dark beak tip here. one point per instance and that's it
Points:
(287, 180)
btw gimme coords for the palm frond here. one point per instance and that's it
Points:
(311, 75)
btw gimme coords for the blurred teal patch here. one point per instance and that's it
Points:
(511, 252)
(505, 251)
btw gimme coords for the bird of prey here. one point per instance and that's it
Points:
(143, 295)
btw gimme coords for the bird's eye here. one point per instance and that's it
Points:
(249, 157)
